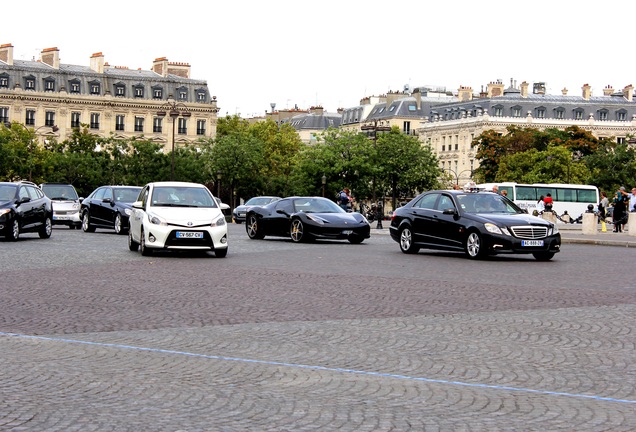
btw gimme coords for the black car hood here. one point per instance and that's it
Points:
(338, 218)
(510, 220)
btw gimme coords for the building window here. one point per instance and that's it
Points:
(139, 91)
(94, 120)
(443, 147)
(183, 126)
(201, 96)
(156, 124)
(75, 120)
(139, 124)
(578, 114)
(456, 146)
(95, 88)
(621, 115)
(4, 81)
(29, 84)
(119, 122)
(620, 140)
(540, 112)
(602, 115)
(407, 127)
(498, 111)
(49, 118)
(200, 127)
(49, 85)
(120, 90)
(516, 111)
(558, 113)
(183, 95)
(4, 115)
(74, 86)
(157, 93)
(29, 120)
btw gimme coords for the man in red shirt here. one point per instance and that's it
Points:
(548, 202)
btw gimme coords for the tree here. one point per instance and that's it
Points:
(612, 165)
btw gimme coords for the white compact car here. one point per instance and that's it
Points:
(177, 215)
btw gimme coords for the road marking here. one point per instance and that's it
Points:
(323, 368)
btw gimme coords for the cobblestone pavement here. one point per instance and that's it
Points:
(316, 337)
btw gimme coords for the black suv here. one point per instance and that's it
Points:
(24, 208)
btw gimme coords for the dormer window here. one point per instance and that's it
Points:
(498, 110)
(182, 94)
(540, 112)
(559, 113)
(29, 83)
(603, 114)
(578, 114)
(157, 93)
(201, 97)
(621, 115)
(95, 87)
(74, 86)
(49, 84)
(120, 90)
(4, 81)
(139, 91)
(515, 111)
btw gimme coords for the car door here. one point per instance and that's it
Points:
(279, 221)
(25, 208)
(38, 205)
(421, 215)
(138, 213)
(445, 223)
(105, 214)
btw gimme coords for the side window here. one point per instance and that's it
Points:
(99, 195)
(427, 201)
(285, 205)
(24, 193)
(143, 196)
(445, 202)
(33, 193)
(108, 194)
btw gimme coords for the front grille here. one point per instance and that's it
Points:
(529, 232)
(206, 241)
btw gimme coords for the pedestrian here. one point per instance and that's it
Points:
(504, 193)
(632, 200)
(621, 200)
(602, 206)
(495, 189)
(540, 208)
(343, 199)
(548, 202)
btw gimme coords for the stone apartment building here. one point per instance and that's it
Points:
(162, 104)
(449, 128)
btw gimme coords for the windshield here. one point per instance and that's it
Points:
(486, 203)
(7, 192)
(182, 196)
(316, 205)
(258, 201)
(60, 192)
(127, 195)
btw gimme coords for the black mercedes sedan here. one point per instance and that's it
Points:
(23, 209)
(108, 207)
(478, 223)
(304, 219)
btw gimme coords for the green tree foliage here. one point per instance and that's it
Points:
(612, 165)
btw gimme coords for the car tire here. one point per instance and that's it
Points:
(86, 223)
(543, 256)
(407, 245)
(252, 228)
(119, 227)
(220, 253)
(132, 244)
(474, 245)
(145, 250)
(47, 228)
(13, 231)
(297, 231)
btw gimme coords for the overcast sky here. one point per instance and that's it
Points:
(333, 53)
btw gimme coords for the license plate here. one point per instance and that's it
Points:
(61, 217)
(531, 242)
(189, 234)
(347, 232)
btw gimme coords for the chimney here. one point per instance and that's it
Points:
(51, 57)
(607, 91)
(97, 62)
(524, 89)
(418, 98)
(587, 91)
(393, 96)
(628, 92)
(495, 89)
(160, 66)
(564, 91)
(6, 54)
(179, 69)
(365, 101)
(465, 94)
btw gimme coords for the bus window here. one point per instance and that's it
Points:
(589, 196)
(526, 193)
(509, 190)
(567, 195)
(545, 191)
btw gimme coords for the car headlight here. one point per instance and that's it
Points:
(128, 212)
(4, 211)
(492, 228)
(156, 220)
(555, 230)
(219, 222)
(76, 206)
(318, 220)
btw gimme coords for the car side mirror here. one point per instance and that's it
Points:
(281, 211)
(449, 211)
(138, 205)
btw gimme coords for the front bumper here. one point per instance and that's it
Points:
(497, 244)
(172, 237)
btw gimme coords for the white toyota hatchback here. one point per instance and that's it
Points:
(177, 215)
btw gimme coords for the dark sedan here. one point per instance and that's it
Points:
(24, 208)
(108, 207)
(478, 223)
(304, 219)
(238, 214)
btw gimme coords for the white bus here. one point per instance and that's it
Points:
(572, 198)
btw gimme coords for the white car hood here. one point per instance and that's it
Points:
(187, 215)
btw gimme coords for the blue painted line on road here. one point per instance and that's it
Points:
(326, 369)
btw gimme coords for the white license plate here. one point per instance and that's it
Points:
(531, 242)
(61, 217)
(189, 234)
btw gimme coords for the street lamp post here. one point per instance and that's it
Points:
(372, 128)
(457, 175)
(54, 128)
(174, 110)
(218, 184)
(324, 182)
